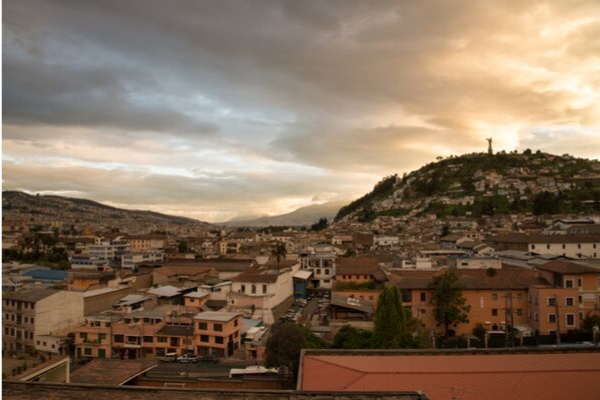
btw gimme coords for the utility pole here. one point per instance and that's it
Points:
(508, 319)
(557, 320)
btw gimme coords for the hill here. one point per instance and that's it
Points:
(303, 216)
(482, 184)
(65, 211)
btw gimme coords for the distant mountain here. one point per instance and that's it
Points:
(482, 184)
(48, 210)
(301, 217)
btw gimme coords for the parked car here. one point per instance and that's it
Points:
(209, 359)
(188, 359)
(168, 357)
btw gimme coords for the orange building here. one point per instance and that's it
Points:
(94, 338)
(493, 298)
(217, 333)
(360, 278)
(577, 275)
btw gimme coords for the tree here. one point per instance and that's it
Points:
(319, 226)
(349, 337)
(278, 251)
(479, 331)
(450, 306)
(391, 328)
(284, 346)
(183, 246)
(589, 322)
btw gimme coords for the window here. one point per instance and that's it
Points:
(494, 312)
(570, 319)
(519, 312)
(568, 283)
(253, 289)
(406, 296)
(83, 336)
(569, 301)
(203, 326)
(547, 247)
(423, 297)
(494, 296)
(87, 351)
(101, 336)
(119, 338)
(161, 339)
(564, 246)
(243, 289)
(235, 322)
(219, 339)
(578, 245)
(580, 299)
(519, 297)
(552, 301)
(148, 339)
(326, 271)
(579, 284)
(264, 289)
(552, 318)
(218, 327)
(318, 271)
(535, 316)
(204, 338)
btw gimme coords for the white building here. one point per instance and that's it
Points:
(132, 260)
(320, 260)
(109, 250)
(385, 241)
(260, 290)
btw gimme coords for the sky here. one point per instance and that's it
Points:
(221, 109)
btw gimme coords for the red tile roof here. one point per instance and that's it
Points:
(467, 376)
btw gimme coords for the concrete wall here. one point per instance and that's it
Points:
(59, 313)
(28, 391)
(95, 304)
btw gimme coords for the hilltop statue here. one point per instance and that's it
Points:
(490, 151)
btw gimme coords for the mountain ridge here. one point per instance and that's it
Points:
(302, 216)
(78, 211)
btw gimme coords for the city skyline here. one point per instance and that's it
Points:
(220, 110)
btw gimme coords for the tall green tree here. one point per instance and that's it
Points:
(284, 346)
(450, 306)
(279, 251)
(391, 322)
(286, 343)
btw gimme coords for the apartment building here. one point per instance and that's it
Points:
(136, 334)
(581, 280)
(109, 249)
(491, 297)
(321, 260)
(94, 338)
(261, 289)
(31, 313)
(553, 309)
(217, 333)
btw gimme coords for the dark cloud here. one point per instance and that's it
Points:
(345, 88)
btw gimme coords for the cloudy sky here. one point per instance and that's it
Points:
(217, 109)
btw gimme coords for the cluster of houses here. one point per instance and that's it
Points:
(129, 297)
